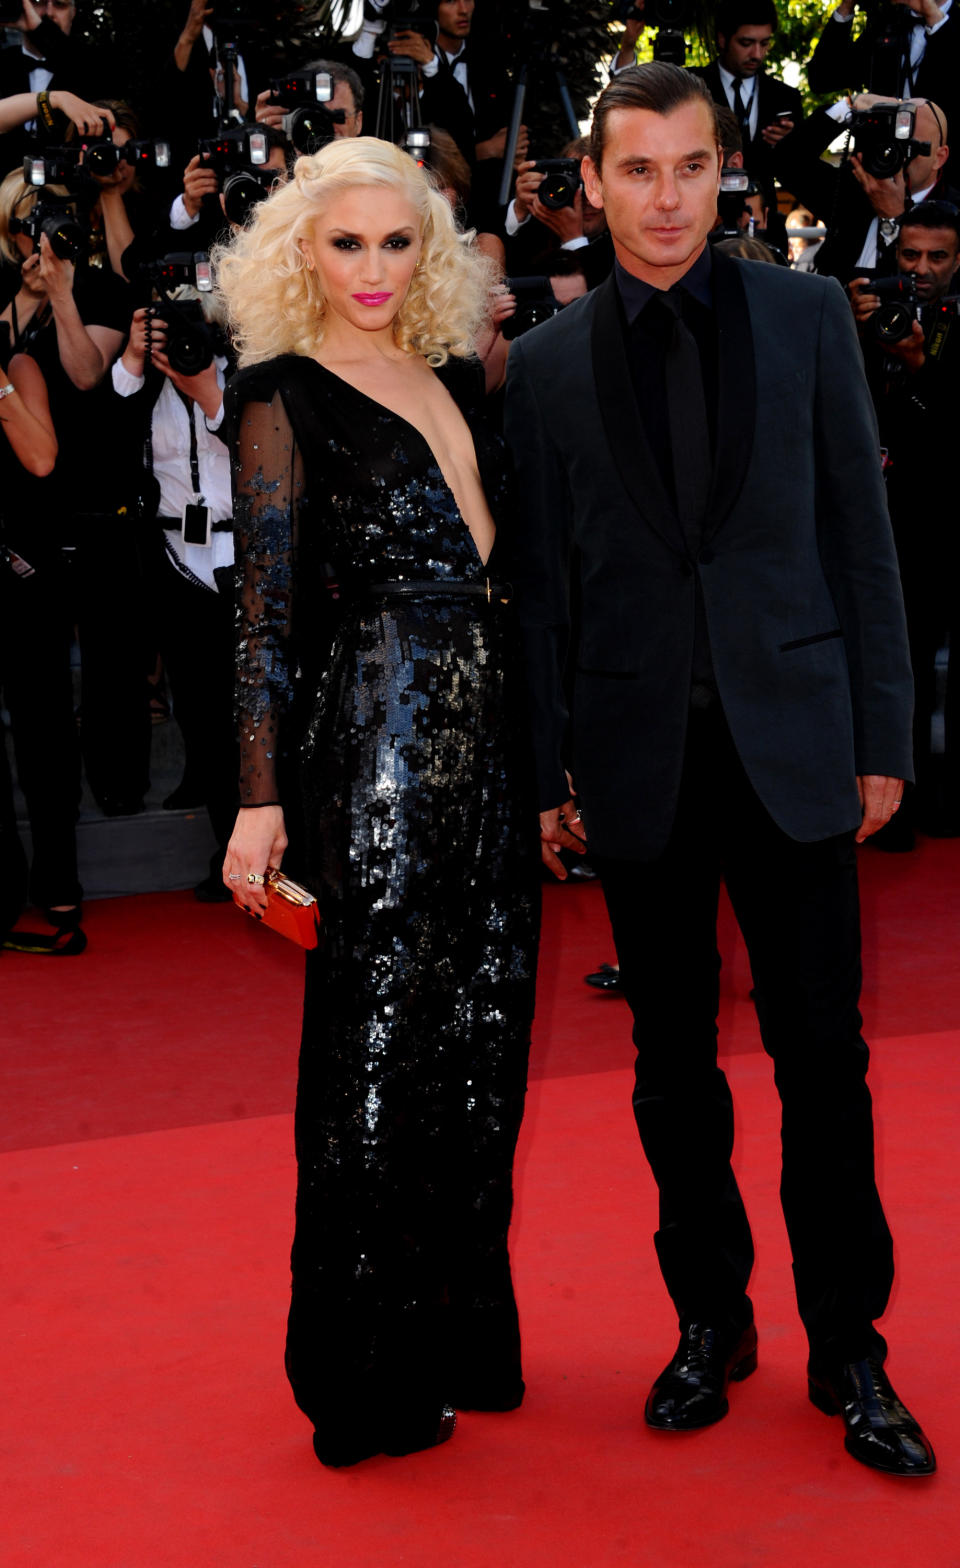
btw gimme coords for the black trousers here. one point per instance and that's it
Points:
(36, 628)
(798, 908)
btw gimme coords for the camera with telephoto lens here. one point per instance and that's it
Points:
(893, 319)
(561, 182)
(56, 217)
(883, 136)
(536, 302)
(310, 123)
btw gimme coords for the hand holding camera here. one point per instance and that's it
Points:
(200, 179)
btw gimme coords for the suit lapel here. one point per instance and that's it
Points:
(736, 391)
(631, 450)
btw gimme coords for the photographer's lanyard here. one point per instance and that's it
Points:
(188, 405)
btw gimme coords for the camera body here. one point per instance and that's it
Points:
(561, 182)
(54, 216)
(105, 157)
(893, 319)
(883, 136)
(190, 342)
(235, 151)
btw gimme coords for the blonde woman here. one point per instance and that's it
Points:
(382, 730)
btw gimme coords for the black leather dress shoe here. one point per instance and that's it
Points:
(881, 1432)
(692, 1390)
(606, 978)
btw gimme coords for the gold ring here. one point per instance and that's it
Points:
(254, 880)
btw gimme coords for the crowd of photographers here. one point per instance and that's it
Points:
(115, 525)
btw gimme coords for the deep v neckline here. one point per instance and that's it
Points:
(386, 409)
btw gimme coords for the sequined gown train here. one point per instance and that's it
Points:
(391, 730)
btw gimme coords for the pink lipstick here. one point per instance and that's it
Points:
(373, 299)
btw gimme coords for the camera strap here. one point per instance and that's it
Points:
(188, 405)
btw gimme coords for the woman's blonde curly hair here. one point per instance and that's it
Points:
(275, 303)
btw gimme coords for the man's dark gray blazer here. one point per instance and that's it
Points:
(797, 566)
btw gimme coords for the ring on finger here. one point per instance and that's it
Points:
(254, 879)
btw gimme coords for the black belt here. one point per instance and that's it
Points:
(493, 593)
(175, 524)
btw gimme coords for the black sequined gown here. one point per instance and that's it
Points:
(391, 729)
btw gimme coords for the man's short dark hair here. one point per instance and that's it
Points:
(735, 14)
(932, 215)
(655, 85)
(338, 72)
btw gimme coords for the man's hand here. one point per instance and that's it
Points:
(565, 222)
(911, 349)
(880, 799)
(197, 16)
(888, 198)
(55, 274)
(561, 828)
(88, 119)
(413, 45)
(493, 147)
(526, 189)
(776, 131)
(268, 112)
(864, 303)
(28, 20)
(928, 9)
(199, 180)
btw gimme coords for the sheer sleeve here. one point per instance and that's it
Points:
(268, 492)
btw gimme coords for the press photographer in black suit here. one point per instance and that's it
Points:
(907, 49)
(915, 380)
(766, 109)
(697, 433)
(862, 212)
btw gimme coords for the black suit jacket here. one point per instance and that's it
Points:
(773, 96)
(797, 565)
(841, 63)
(75, 66)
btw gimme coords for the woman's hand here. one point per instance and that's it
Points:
(88, 119)
(257, 846)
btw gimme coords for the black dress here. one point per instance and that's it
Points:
(390, 726)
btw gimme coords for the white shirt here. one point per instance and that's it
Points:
(871, 244)
(170, 430)
(749, 94)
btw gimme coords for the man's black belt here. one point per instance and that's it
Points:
(175, 524)
(493, 593)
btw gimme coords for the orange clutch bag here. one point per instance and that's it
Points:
(291, 910)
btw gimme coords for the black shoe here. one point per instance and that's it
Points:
(606, 978)
(212, 891)
(349, 1448)
(692, 1390)
(881, 1432)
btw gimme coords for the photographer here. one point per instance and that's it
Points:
(35, 636)
(565, 222)
(861, 208)
(171, 417)
(912, 351)
(72, 319)
(199, 216)
(907, 49)
(346, 99)
(766, 109)
(50, 57)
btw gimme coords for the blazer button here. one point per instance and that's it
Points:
(686, 570)
(706, 557)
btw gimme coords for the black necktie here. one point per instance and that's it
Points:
(740, 109)
(689, 427)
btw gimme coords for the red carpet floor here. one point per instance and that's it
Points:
(148, 1186)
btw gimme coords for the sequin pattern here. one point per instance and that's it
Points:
(398, 726)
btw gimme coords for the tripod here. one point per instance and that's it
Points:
(543, 60)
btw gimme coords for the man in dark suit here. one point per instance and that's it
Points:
(51, 56)
(862, 213)
(907, 50)
(697, 434)
(766, 108)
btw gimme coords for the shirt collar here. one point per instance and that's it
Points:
(635, 293)
(728, 78)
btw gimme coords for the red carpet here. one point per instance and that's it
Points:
(149, 1184)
